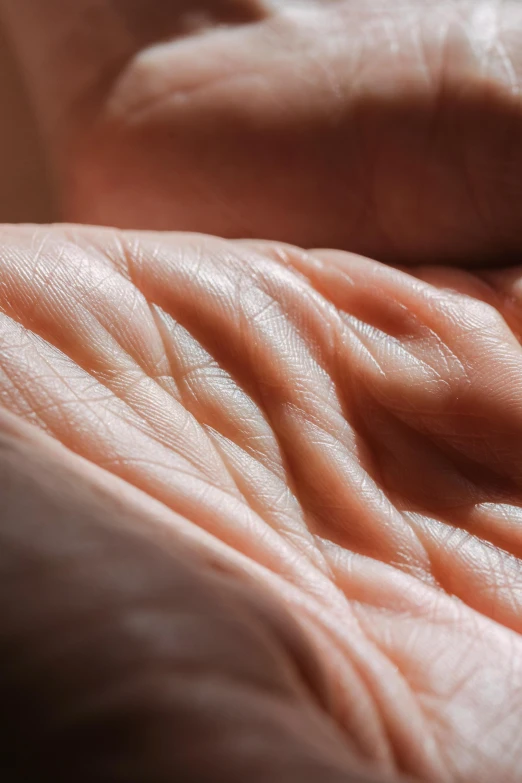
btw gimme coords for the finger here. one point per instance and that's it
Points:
(391, 130)
(121, 662)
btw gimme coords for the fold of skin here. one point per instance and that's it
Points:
(390, 129)
(138, 661)
(343, 435)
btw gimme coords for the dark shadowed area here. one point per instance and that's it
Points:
(24, 192)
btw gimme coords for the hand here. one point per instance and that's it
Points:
(127, 658)
(390, 129)
(342, 436)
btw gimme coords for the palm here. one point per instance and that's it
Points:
(383, 128)
(343, 433)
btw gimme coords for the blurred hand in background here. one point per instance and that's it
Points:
(390, 129)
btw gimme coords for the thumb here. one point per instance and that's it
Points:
(121, 661)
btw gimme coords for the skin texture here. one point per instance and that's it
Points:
(337, 439)
(141, 662)
(342, 435)
(390, 129)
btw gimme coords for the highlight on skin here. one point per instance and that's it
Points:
(342, 435)
(139, 660)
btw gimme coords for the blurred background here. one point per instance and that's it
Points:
(24, 192)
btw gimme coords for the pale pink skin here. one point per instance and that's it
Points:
(382, 127)
(343, 434)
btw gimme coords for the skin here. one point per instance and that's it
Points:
(389, 129)
(114, 666)
(337, 436)
(24, 195)
(343, 434)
